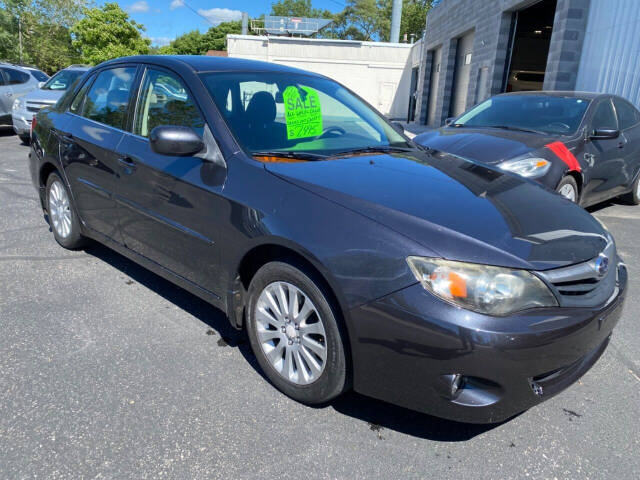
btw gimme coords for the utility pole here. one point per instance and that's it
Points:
(20, 37)
(245, 23)
(396, 16)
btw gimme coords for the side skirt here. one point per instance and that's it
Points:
(158, 269)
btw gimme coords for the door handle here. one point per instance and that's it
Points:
(128, 164)
(621, 144)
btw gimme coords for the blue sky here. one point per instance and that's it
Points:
(166, 19)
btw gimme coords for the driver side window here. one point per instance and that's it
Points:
(164, 100)
(604, 117)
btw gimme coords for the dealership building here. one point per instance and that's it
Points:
(473, 49)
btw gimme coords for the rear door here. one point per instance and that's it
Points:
(6, 96)
(167, 206)
(605, 157)
(89, 142)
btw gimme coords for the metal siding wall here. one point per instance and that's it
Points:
(610, 61)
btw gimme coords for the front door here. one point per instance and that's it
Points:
(606, 156)
(89, 143)
(167, 211)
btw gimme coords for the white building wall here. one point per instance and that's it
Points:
(378, 72)
(610, 61)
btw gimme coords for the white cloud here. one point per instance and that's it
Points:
(176, 4)
(219, 15)
(160, 41)
(138, 7)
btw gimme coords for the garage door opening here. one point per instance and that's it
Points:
(530, 46)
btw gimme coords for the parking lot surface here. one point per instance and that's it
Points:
(108, 371)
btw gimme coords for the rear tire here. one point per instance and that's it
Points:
(568, 188)
(633, 197)
(297, 340)
(63, 220)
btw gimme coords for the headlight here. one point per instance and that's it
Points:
(481, 288)
(527, 167)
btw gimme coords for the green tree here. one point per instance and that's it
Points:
(190, 43)
(107, 32)
(298, 8)
(216, 37)
(43, 27)
(414, 17)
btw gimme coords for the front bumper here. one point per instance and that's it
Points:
(408, 346)
(22, 121)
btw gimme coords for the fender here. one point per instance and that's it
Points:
(236, 293)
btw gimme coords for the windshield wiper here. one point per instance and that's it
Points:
(378, 149)
(289, 154)
(518, 129)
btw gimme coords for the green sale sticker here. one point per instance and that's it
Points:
(302, 112)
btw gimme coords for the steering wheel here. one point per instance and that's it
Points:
(561, 125)
(335, 129)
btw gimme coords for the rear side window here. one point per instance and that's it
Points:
(108, 98)
(15, 77)
(164, 100)
(628, 116)
(605, 117)
(39, 76)
(76, 104)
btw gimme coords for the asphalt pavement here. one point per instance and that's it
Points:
(109, 371)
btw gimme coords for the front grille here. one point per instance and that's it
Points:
(35, 107)
(581, 285)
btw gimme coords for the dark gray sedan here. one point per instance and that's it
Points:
(352, 257)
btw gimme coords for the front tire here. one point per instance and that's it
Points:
(62, 216)
(568, 188)
(294, 334)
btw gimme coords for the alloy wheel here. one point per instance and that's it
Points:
(291, 333)
(60, 209)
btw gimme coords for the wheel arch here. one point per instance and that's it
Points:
(271, 250)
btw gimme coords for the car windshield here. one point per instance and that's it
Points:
(62, 80)
(539, 113)
(297, 114)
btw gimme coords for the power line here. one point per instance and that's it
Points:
(184, 2)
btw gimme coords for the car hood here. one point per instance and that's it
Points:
(458, 209)
(44, 96)
(484, 145)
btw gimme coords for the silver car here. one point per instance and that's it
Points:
(16, 81)
(25, 107)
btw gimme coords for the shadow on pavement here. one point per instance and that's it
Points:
(7, 131)
(382, 415)
(379, 415)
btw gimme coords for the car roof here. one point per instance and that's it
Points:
(204, 63)
(560, 93)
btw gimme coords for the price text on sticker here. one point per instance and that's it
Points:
(302, 112)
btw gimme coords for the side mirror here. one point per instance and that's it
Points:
(397, 126)
(41, 84)
(449, 121)
(175, 141)
(604, 134)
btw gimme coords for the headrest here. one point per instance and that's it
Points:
(261, 108)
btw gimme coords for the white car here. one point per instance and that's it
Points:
(25, 107)
(16, 81)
